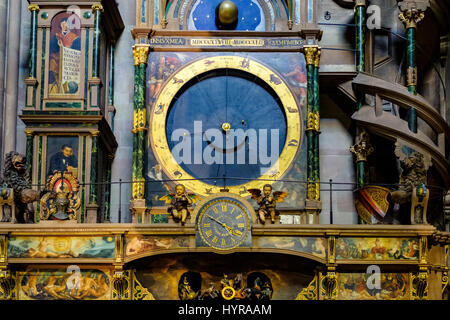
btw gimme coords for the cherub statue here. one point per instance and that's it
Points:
(179, 203)
(267, 202)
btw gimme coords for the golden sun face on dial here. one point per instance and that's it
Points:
(223, 223)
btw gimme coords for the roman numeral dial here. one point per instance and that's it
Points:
(223, 223)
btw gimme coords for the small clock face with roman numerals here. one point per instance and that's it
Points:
(223, 223)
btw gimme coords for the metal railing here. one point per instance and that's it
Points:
(120, 195)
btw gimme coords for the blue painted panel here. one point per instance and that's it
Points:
(203, 15)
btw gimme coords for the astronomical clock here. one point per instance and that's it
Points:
(226, 120)
(216, 185)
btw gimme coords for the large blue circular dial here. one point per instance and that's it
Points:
(235, 123)
(223, 223)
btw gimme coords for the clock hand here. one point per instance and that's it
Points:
(230, 230)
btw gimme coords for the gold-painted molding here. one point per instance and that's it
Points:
(97, 6)
(411, 17)
(158, 117)
(138, 186)
(310, 53)
(310, 292)
(423, 245)
(411, 76)
(332, 249)
(362, 149)
(140, 53)
(360, 3)
(139, 119)
(95, 133)
(317, 57)
(34, 7)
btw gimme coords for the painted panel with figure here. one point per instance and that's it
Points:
(64, 76)
(314, 246)
(55, 284)
(354, 286)
(62, 154)
(377, 249)
(61, 247)
(139, 244)
(203, 276)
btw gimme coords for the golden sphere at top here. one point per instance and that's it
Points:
(228, 12)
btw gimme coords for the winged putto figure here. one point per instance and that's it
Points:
(179, 202)
(267, 202)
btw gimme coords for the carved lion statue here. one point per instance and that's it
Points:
(15, 176)
(414, 173)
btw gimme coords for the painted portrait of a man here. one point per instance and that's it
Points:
(65, 54)
(63, 160)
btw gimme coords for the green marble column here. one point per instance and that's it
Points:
(97, 9)
(411, 75)
(31, 81)
(140, 54)
(107, 216)
(29, 151)
(94, 166)
(112, 49)
(33, 40)
(362, 149)
(311, 122)
(316, 165)
(360, 42)
(410, 17)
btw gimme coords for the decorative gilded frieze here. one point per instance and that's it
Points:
(6, 284)
(419, 285)
(310, 292)
(121, 285)
(328, 286)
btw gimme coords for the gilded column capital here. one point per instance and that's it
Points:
(33, 7)
(317, 58)
(310, 53)
(29, 132)
(97, 6)
(360, 3)
(140, 53)
(411, 17)
(95, 133)
(363, 148)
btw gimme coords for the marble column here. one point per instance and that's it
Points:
(12, 76)
(411, 13)
(92, 207)
(313, 204)
(3, 16)
(137, 205)
(94, 81)
(360, 42)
